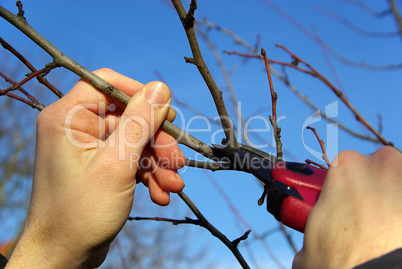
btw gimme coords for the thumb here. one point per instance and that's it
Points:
(139, 122)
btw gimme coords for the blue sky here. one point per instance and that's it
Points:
(140, 38)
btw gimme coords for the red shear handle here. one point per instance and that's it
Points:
(307, 180)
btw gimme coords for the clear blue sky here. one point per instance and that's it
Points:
(140, 38)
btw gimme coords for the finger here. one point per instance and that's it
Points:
(171, 115)
(157, 194)
(84, 119)
(111, 120)
(298, 261)
(168, 179)
(142, 176)
(167, 151)
(145, 166)
(141, 119)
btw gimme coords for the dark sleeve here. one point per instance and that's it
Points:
(3, 261)
(392, 260)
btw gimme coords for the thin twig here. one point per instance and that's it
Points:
(40, 77)
(32, 75)
(203, 222)
(235, 37)
(288, 238)
(31, 101)
(241, 238)
(366, 8)
(315, 73)
(397, 16)
(353, 27)
(309, 34)
(338, 93)
(324, 156)
(173, 221)
(308, 161)
(303, 97)
(273, 118)
(187, 19)
(215, 232)
(20, 10)
(38, 106)
(243, 220)
(255, 54)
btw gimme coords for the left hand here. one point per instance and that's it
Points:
(88, 153)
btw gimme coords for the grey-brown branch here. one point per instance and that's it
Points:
(187, 19)
(61, 60)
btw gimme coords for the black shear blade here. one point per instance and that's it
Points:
(250, 162)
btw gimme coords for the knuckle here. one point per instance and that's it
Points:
(342, 167)
(346, 155)
(347, 158)
(387, 152)
(388, 164)
(47, 119)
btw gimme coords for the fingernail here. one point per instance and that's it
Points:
(157, 93)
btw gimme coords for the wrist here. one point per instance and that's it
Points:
(31, 253)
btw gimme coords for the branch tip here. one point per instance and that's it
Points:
(324, 156)
(189, 60)
(241, 238)
(262, 198)
(189, 19)
(274, 98)
(21, 12)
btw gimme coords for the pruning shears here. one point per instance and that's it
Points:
(292, 188)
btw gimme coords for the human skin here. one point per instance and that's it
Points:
(358, 216)
(86, 168)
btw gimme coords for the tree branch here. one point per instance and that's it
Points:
(187, 19)
(32, 75)
(39, 77)
(397, 16)
(273, 118)
(213, 166)
(215, 232)
(226, 75)
(173, 221)
(308, 161)
(366, 8)
(62, 60)
(301, 96)
(31, 101)
(203, 222)
(351, 26)
(338, 93)
(311, 71)
(324, 153)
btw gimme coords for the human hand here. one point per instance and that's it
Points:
(86, 167)
(358, 215)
